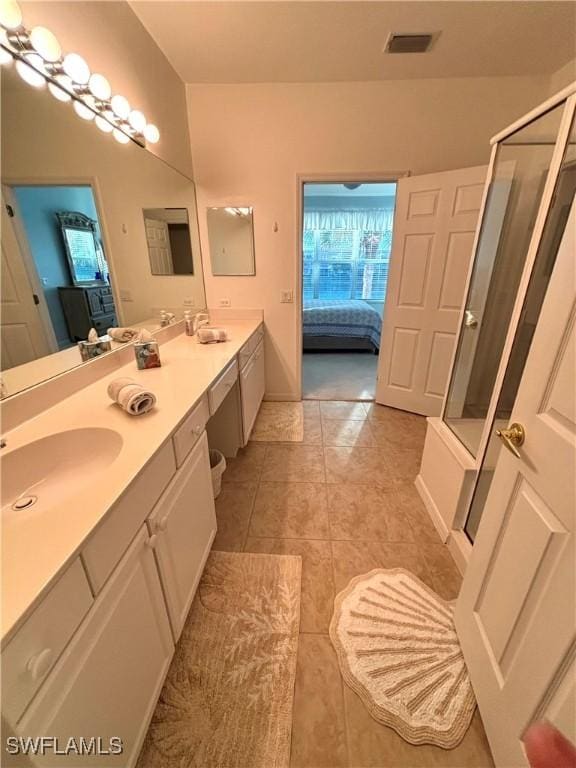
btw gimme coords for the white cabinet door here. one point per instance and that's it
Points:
(434, 227)
(108, 679)
(184, 525)
(252, 387)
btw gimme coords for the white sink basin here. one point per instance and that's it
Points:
(41, 474)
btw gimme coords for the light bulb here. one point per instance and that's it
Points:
(104, 125)
(31, 72)
(99, 87)
(60, 89)
(120, 106)
(120, 137)
(10, 14)
(45, 43)
(83, 111)
(137, 120)
(76, 68)
(151, 133)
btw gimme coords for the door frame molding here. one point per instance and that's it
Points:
(328, 177)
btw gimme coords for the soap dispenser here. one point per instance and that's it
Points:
(189, 323)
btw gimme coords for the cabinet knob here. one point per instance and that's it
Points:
(161, 525)
(151, 543)
(39, 664)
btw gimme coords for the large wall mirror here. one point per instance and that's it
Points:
(231, 236)
(79, 216)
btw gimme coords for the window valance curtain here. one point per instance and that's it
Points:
(377, 220)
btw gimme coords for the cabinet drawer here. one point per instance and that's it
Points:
(222, 386)
(106, 546)
(252, 386)
(190, 430)
(33, 651)
(250, 346)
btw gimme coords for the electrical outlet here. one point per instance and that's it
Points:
(189, 301)
(225, 303)
(286, 297)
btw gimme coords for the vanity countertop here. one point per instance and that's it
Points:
(37, 546)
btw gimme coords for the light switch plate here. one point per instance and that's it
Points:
(286, 297)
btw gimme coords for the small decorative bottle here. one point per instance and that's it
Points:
(189, 322)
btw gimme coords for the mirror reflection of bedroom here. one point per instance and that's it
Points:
(346, 244)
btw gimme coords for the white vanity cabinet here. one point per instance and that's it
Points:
(183, 526)
(252, 386)
(107, 681)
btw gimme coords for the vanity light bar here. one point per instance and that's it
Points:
(40, 62)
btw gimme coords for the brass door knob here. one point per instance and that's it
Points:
(513, 437)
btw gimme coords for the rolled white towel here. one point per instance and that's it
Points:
(211, 335)
(122, 334)
(131, 396)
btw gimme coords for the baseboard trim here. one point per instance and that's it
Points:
(461, 549)
(432, 509)
(281, 396)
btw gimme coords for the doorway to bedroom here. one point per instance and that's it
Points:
(346, 244)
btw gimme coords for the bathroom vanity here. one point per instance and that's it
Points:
(100, 572)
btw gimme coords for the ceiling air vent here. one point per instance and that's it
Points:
(397, 43)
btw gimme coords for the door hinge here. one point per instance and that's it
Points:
(36, 299)
(10, 211)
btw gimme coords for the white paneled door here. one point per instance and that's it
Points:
(23, 335)
(434, 229)
(515, 615)
(158, 240)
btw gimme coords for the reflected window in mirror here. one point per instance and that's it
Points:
(231, 236)
(168, 241)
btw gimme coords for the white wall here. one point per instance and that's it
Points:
(249, 142)
(114, 42)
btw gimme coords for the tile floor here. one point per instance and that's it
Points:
(344, 500)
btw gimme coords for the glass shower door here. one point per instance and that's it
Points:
(519, 173)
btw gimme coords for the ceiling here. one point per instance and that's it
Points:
(215, 41)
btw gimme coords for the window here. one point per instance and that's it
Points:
(346, 252)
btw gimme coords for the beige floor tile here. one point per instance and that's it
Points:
(348, 432)
(317, 600)
(340, 409)
(312, 430)
(413, 507)
(445, 576)
(233, 510)
(401, 433)
(247, 465)
(366, 512)
(373, 745)
(290, 511)
(318, 727)
(353, 558)
(311, 407)
(294, 463)
(403, 463)
(367, 466)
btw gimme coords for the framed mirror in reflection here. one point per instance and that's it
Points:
(75, 245)
(231, 236)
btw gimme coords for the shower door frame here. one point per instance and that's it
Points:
(459, 543)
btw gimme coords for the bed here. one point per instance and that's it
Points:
(340, 324)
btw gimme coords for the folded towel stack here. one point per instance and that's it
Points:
(211, 335)
(131, 396)
(122, 334)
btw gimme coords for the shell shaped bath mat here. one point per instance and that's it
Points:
(398, 650)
